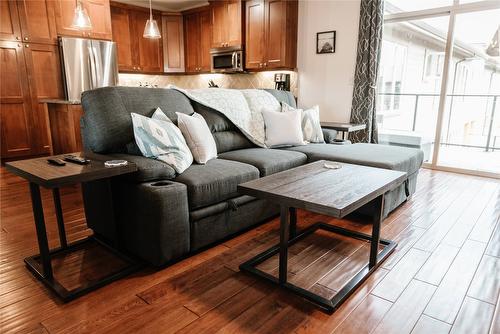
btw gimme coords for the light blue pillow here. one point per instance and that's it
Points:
(157, 137)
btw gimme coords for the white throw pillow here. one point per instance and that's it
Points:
(283, 128)
(198, 137)
(159, 138)
(311, 126)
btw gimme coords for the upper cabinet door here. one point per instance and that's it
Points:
(150, 50)
(233, 24)
(219, 28)
(121, 23)
(205, 61)
(100, 18)
(191, 41)
(275, 22)
(173, 43)
(44, 71)
(255, 33)
(65, 11)
(99, 13)
(15, 109)
(38, 24)
(10, 29)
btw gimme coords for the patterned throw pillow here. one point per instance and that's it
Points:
(157, 137)
(311, 127)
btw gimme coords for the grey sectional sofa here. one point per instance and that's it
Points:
(161, 216)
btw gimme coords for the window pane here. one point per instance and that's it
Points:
(471, 124)
(398, 6)
(409, 83)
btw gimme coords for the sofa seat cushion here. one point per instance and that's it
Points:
(148, 169)
(215, 181)
(268, 161)
(398, 158)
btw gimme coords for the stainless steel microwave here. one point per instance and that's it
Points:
(227, 60)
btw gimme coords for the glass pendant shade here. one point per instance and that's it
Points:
(81, 19)
(151, 30)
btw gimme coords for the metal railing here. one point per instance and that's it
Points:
(489, 145)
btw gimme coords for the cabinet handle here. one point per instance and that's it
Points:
(25, 38)
(265, 64)
(18, 38)
(18, 45)
(27, 45)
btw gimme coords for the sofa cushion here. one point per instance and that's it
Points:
(268, 161)
(215, 181)
(147, 169)
(384, 156)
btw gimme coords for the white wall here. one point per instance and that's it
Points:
(327, 79)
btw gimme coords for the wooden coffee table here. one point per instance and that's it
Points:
(332, 192)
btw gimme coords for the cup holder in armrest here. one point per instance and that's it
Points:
(161, 183)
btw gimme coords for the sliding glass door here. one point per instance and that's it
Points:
(439, 82)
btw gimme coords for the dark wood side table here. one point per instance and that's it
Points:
(345, 128)
(40, 173)
(331, 192)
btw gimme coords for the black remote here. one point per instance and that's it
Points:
(56, 162)
(76, 160)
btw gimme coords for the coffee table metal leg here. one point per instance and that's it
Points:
(41, 233)
(59, 215)
(377, 220)
(284, 235)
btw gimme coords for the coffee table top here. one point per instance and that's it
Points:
(39, 171)
(334, 192)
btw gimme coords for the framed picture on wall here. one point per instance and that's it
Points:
(325, 41)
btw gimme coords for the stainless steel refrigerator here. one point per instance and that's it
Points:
(87, 64)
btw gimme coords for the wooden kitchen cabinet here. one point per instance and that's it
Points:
(46, 82)
(271, 34)
(10, 29)
(135, 53)
(226, 23)
(15, 102)
(28, 21)
(37, 20)
(65, 127)
(173, 43)
(99, 13)
(197, 41)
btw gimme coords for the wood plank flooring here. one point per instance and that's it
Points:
(444, 276)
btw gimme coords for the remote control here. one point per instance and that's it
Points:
(76, 160)
(56, 162)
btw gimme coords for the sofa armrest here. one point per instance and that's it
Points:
(153, 220)
(329, 135)
(148, 169)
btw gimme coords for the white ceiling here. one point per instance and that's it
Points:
(167, 5)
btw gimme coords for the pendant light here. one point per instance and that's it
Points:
(81, 19)
(151, 29)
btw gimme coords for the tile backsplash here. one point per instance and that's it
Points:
(238, 81)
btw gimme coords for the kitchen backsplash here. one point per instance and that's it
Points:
(239, 81)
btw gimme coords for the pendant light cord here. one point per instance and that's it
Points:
(150, 11)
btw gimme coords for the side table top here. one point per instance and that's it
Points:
(39, 171)
(347, 127)
(334, 192)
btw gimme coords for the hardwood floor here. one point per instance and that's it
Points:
(444, 276)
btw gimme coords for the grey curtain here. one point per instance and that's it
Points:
(363, 109)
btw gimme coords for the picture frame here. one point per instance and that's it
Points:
(325, 41)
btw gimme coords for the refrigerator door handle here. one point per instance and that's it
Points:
(93, 66)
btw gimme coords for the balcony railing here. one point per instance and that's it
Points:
(489, 113)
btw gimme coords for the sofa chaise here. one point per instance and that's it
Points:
(159, 216)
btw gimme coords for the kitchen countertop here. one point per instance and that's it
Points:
(58, 101)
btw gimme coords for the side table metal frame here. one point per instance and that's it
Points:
(40, 265)
(288, 236)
